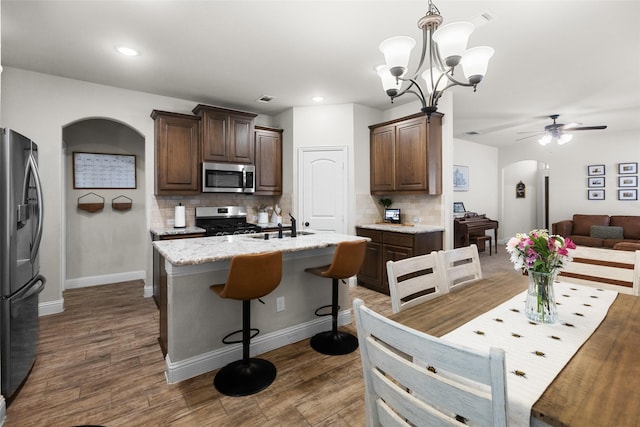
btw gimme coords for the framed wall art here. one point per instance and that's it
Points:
(628, 194)
(628, 181)
(627, 168)
(596, 182)
(460, 178)
(593, 170)
(595, 194)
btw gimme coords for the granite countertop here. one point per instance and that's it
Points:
(171, 231)
(408, 229)
(202, 250)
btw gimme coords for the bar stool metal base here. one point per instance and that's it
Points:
(242, 378)
(334, 343)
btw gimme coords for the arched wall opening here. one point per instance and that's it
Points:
(108, 245)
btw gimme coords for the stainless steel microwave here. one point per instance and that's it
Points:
(228, 178)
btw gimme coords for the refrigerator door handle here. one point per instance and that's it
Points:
(29, 291)
(33, 166)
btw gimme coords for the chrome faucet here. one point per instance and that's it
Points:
(293, 225)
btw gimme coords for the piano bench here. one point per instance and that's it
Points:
(481, 242)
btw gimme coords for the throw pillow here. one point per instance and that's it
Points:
(603, 232)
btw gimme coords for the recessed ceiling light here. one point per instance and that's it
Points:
(318, 98)
(127, 51)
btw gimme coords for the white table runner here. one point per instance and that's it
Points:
(536, 353)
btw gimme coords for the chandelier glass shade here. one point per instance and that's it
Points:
(443, 49)
(562, 138)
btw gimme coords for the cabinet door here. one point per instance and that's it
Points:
(240, 139)
(214, 137)
(393, 253)
(268, 154)
(411, 155)
(370, 274)
(383, 163)
(177, 153)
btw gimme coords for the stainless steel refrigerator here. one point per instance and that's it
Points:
(20, 236)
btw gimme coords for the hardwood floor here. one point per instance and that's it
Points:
(99, 363)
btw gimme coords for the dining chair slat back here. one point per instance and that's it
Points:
(460, 266)
(415, 280)
(604, 268)
(458, 383)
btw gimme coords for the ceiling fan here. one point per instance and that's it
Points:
(558, 131)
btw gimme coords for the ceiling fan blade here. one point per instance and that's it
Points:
(571, 125)
(529, 131)
(586, 128)
(530, 136)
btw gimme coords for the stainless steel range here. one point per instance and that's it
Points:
(224, 220)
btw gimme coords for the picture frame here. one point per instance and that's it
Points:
(460, 178)
(458, 207)
(628, 181)
(593, 170)
(628, 194)
(628, 168)
(595, 194)
(596, 182)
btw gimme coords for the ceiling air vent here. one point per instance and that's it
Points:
(265, 98)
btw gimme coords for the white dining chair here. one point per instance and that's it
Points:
(603, 268)
(415, 280)
(460, 266)
(458, 384)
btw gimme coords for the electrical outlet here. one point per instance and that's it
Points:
(280, 304)
(416, 219)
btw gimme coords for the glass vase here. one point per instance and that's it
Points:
(541, 300)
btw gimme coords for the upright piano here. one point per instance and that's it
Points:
(475, 225)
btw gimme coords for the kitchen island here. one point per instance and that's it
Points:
(193, 320)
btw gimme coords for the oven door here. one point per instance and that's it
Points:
(227, 178)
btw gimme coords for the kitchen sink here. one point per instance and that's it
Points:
(274, 234)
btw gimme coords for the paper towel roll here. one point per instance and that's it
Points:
(179, 218)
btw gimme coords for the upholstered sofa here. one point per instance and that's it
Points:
(615, 231)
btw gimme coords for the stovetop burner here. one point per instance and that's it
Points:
(224, 220)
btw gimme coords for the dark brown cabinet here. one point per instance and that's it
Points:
(227, 135)
(177, 153)
(268, 160)
(406, 156)
(391, 246)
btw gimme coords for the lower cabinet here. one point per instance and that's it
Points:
(391, 246)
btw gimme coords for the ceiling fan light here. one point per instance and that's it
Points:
(564, 138)
(396, 52)
(390, 84)
(546, 139)
(475, 62)
(437, 74)
(452, 41)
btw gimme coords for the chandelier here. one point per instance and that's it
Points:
(445, 47)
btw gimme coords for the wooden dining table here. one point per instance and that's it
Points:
(600, 386)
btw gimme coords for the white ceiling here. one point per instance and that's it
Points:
(579, 59)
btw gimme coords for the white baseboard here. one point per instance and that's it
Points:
(51, 307)
(207, 362)
(83, 282)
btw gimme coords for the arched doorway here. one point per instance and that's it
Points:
(108, 245)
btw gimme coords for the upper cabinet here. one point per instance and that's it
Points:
(406, 155)
(227, 135)
(268, 156)
(177, 159)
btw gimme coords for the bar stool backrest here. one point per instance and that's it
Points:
(347, 260)
(253, 276)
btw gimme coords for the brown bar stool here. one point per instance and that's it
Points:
(250, 277)
(347, 260)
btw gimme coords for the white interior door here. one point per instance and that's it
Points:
(322, 188)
